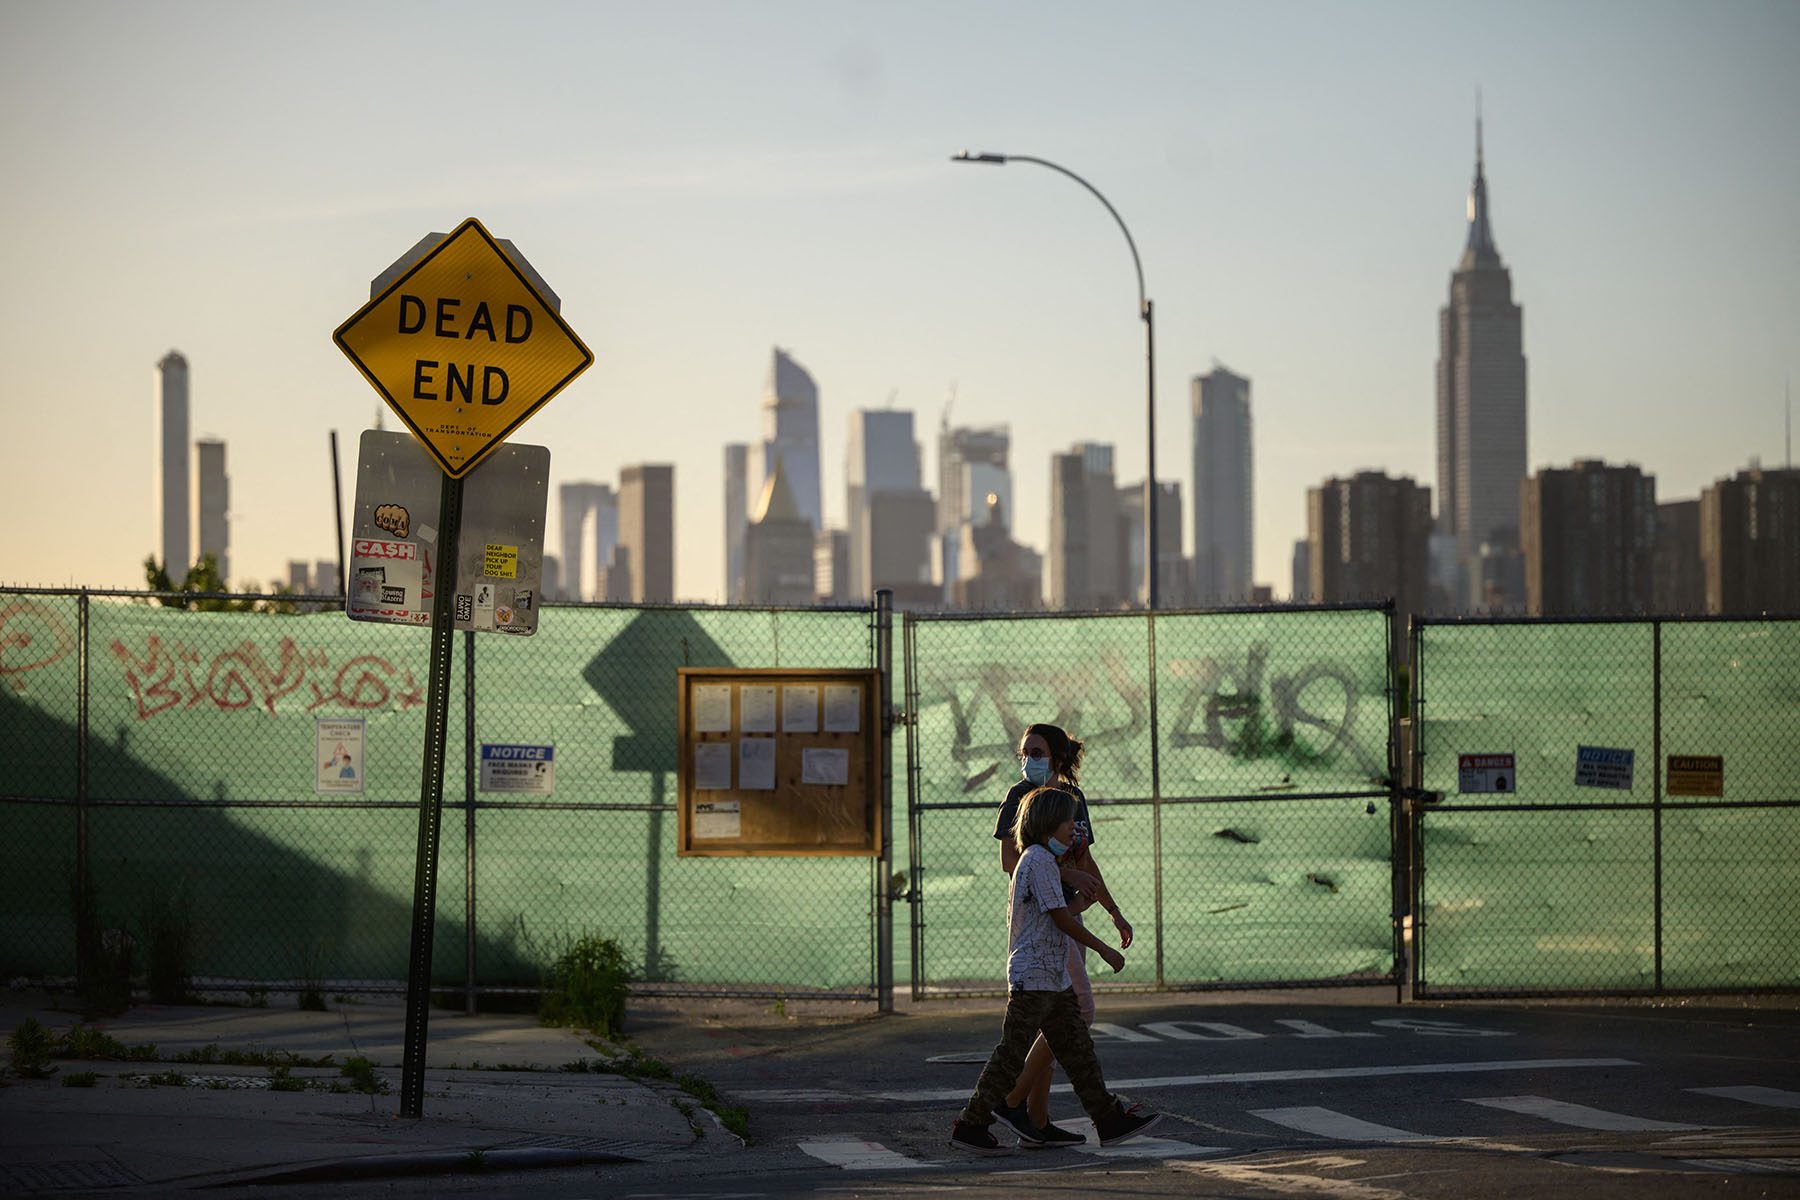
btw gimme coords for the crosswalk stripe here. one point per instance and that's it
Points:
(1143, 1147)
(1327, 1123)
(855, 1155)
(1771, 1097)
(941, 1095)
(1578, 1115)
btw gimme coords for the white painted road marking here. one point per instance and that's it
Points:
(1143, 1147)
(854, 1155)
(1771, 1097)
(1307, 1029)
(1579, 1115)
(1325, 1122)
(942, 1095)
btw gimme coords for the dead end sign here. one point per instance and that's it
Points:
(463, 346)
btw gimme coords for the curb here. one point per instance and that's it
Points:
(441, 1162)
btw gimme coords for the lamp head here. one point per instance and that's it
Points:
(965, 156)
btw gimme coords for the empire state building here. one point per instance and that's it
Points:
(1480, 401)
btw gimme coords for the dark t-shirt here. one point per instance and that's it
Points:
(1009, 816)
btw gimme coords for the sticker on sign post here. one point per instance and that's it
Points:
(1603, 767)
(520, 770)
(1485, 773)
(338, 756)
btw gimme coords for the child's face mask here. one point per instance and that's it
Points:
(1036, 770)
(1056, 846)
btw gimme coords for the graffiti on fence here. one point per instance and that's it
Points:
(169, 678)
(1307, 716)
(32, 636)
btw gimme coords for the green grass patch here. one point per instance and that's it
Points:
(84, 1041)
(80, 1079)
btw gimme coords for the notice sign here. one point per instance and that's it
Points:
(1696, 775)
(1483, 773)
(1603, 767)
(521, 770)
(338, 756)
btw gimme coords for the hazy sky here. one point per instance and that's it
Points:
(702, 181)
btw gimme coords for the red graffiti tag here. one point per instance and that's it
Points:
(32, 636)
(163, 678)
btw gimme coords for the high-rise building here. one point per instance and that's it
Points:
(974, 487)
(1481, 447)
(778, 548)
(898, 546)
(215, 504)
(1678, 583)
(646, 535)
(1367, 538)
(299, 577)
(325, 578)
(1750, 542)
(790, 411)
(998, 573)
(1302, 573)
(1589, 540)
(1172, 574)
(589, 519)
(882, 457)
(173, 490)
(831, 566)
(1224, 483)
(737, 518)
(1087, 563)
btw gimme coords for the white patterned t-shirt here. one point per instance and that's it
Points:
(1038, 960)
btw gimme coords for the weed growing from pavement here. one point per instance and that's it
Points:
(32, 1047)
(361, 1074)
(475, 1161)
(80, 1079)
(687, 1111)
(84, 1041)
(210, 1055)
(168, 924)
(281, 1079)
(737, 1120)
(169, 1078)
(587, 986)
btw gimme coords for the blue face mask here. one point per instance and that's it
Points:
(1036, 771)
(1056, 846)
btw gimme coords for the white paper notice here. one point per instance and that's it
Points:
(716, 819)
(843, 707)
(756, 764)
(800, 709)
(756, 709)
(712, 708)
(826, 766)
(712, 766)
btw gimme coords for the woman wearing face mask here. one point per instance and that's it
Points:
(1049, 756)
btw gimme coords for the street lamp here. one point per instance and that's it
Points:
(1147, 313)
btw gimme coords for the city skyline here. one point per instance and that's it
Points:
(1296, 208)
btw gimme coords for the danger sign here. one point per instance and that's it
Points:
(1485, 773)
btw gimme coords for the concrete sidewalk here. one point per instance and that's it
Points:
(495, 1097)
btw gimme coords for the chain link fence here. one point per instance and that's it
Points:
(1237, 770)
(1607, 879)
(157, 772)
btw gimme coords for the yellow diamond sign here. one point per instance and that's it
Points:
(464, 347)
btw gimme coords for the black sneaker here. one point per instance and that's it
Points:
(975, 1139)
(1055, 1135)
(1021, 1123)
(1125, 1123)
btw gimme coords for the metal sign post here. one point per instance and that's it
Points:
(464, 342)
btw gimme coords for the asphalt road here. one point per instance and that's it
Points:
(1290, 1095)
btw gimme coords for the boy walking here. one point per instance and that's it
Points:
(1041, 996)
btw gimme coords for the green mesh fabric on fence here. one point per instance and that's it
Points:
(202, 798)
(1519, 898)
(1272, 707)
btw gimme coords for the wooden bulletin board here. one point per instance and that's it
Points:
(780, 762)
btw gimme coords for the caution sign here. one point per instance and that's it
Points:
(1696, 775)
(1485, 773)
(463, 347)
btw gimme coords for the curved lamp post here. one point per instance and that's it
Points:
(1147, 313)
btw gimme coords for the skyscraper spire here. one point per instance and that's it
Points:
(1479, 250)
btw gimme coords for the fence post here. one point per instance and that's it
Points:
(1415, 841)
(1656, 795)
(915, 860)
(884, 861)
(1156, 858)
(84, 881)
(469, 821)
